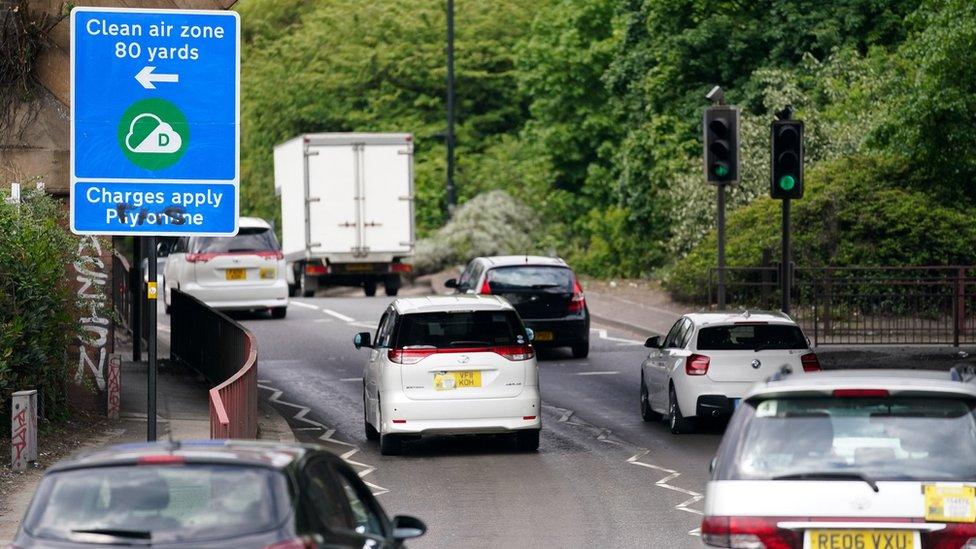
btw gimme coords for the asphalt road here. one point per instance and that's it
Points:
(602, 477)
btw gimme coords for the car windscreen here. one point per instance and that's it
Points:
(246, 240)
(750, 337)
(444, 330)
(530, 278)
(186, 503)
(890, 438)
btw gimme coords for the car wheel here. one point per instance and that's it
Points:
(391, 291)
(647, 414)
(527, 440)
(279, 312)
(371, 432)
(369, 288)
(581, 350)
(390, 445)
(677, 422)
(303, 285)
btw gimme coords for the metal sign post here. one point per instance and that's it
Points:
(155, 132)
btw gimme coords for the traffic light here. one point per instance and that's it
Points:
(721, 137)
(787, 159)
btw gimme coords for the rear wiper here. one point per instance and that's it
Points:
(116, 533)
(831, 475)
(472, 342)
(544, 286)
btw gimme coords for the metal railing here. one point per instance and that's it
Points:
(225, 353)
(865, 305)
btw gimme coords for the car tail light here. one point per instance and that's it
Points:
(748, 533)
(401, 268)
(305, 542)
(316, 269)
(696, 365)
(515, 352)
(409, 356)
(270, 254)
(578, 302)
(200, 258)
(164, 459)
(860, 393)
(810, 362)
(485, 287)
(953, 536)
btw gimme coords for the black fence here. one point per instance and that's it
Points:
(863, 305)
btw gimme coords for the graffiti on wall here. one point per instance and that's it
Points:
(93, 341)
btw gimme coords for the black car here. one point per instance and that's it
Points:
(209, 494)
(544, 291)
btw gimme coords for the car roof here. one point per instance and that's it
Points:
(451, 303)
(253, 223)
(514, 260)
(257, 453)
(896, 382)
(731, 317)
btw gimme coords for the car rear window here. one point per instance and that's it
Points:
(186, 503)
(528, 277)
(890, 438)
(246, 240)
(443, 330)
(751, 337)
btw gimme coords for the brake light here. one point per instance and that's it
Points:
(860, 393)
(409, 356)
(401, 268)
(270, 254)
(514, 353)
(485, 287)
(164, 459)
(316, 269)
(696, 365)
(305, 542)
(200, 258)
(578, 302)
(953, 536)
(748, 532)
(810, 362)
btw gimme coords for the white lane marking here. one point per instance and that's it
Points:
(351, 379)
(597, 373)
(602, 334)
(326, 436)
(340, 316)
(363, 324)
(305, 305)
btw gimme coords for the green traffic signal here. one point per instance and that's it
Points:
(721, 170)
(787, 182)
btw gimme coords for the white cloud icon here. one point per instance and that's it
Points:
(162, 139)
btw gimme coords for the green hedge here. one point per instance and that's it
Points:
(860, 210)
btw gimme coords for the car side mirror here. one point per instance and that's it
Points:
(530, 333)
(406, 527)
(653, 342)
(362, 339)
(451, 283)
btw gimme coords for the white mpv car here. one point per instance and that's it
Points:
(708, 361)
(450, 365)
(242, 272)
(860, 459)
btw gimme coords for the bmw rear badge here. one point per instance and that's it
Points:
(756, 364)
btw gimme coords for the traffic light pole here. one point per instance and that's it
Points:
(721, 246)
(785, 270)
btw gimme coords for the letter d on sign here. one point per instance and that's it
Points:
(163, 140)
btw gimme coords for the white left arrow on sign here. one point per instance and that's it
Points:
(146, 77)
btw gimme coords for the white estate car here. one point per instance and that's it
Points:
(242, 272)
(450, 365)
(708, 361)
(861, 459)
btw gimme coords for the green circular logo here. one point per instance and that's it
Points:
(153, 134)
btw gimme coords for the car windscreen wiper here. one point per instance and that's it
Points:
(831, 475)
(469, 343)
(544, 286)
(116, 533)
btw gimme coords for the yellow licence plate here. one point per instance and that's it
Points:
(448, 381)
(860, 539)
(544, 336)
(236, 274)
(358, 267)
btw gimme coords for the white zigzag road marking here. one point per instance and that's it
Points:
(327, 437)
(622, 341)
(663, 483)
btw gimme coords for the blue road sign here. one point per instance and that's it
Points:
(155, 121)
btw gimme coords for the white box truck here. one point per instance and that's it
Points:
(347, 214)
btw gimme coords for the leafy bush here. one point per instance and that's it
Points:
(38, 308)
(492, 223)
(859, 210)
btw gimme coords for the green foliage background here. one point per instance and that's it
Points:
(589, 111)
